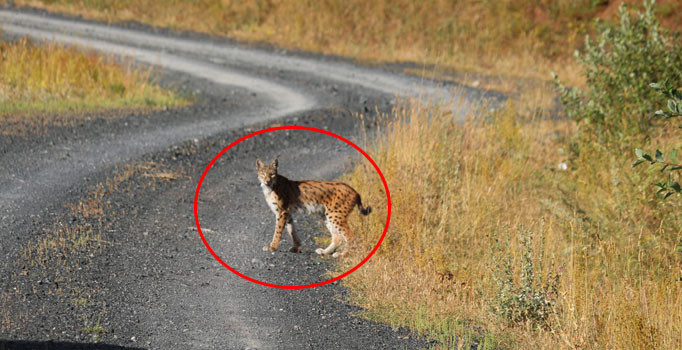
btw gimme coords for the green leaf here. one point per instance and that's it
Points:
(660, 157)
(673, 156)
(656, 86)
(638, 153)
(637, 162)
(672, 106)
(675, 186)
(648, 157)
(667, 195)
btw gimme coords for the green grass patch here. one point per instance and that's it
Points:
(52, 78)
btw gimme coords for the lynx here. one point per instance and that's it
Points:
(333, 200)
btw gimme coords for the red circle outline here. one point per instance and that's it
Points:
(303, 286)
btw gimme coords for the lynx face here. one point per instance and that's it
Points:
(267, 174)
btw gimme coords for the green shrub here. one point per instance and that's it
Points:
(618, 67)
(524, 299)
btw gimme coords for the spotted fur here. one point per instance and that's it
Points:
(333, 200)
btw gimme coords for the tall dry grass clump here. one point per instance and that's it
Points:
(493, 243)
(56, 78)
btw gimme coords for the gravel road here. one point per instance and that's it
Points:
(148, 282)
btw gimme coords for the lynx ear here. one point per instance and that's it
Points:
(259, 163)
(275, 161)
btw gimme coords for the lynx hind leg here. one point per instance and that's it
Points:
(292, 233)
(336, 238)
(343, 232)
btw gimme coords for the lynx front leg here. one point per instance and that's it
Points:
(292, 233)
(282, 218)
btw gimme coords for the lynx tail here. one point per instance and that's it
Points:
(363, 210)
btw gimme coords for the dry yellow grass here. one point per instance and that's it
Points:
(457, 189)
(37, 79)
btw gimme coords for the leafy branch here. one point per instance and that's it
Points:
(669, 164)
(674, 100)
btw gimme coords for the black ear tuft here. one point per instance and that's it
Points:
(259, 163)
(275, 162)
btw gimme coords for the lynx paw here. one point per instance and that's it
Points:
(319, 251)
(268, 248)
(295, 249)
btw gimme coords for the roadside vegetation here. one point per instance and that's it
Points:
(35, 79)
(515, 230)
(500, 235)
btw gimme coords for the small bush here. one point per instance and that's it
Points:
(524, 299)
(618, 68)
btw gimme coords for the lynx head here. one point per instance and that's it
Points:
(267, 174)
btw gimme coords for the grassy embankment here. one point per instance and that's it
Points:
(39, 80)
(463, 196)
(518, 231)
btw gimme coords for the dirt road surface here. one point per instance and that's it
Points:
(125, 180)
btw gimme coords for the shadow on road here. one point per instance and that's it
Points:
(51, 345)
